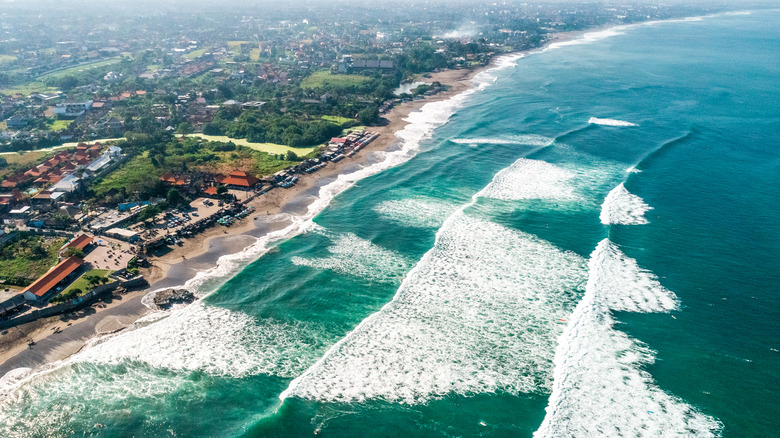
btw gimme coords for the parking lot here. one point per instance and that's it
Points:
(110, 254)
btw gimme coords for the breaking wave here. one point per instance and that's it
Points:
(351, 255)
(600, 388)
(479, 313)
(416, 212)
(610, 122)
(623, 208)
(528, 140)
(530, 179)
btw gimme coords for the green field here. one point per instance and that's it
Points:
(323, 78)
(196, 53)
(82, 68)
(83, 284)
(237, 43)
(271, 148)
(28, 88)
(254, 55)
(29, 256)
(7, 58)
(59, 125)
(337, 120)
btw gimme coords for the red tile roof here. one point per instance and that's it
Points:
(79, 242)
(55, 275)
(211, 191)
(239, 178)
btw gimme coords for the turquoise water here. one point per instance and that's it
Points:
(588, 247)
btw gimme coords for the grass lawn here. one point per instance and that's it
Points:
(7, 58)
(81, 68)
(337, 120)
(237, 43)
(26, 158)
(83, 284)
(153, 67)
(26, 89)
(196, 53)
(73, 144)
(271, 148)
(59, 125)
(323, 78)
(254, 55)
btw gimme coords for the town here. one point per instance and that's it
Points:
(118, 145)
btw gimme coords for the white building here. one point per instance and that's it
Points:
(72, 109)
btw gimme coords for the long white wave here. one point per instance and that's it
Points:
(600, 388)
(530, 179)
(609, 122)
(526, 139)
(623, 208)
(479, 313)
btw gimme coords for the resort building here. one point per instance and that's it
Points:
(51, 282)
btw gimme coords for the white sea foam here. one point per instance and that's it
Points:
(610, 122)
(527, 139)
(213, 340)
(351, 255)
(633, 169)
(600, 388)
(530, 179)
(624, 208)
(588, 37)
(416, 212)
(479, 313)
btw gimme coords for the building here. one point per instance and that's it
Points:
(81, 242)
(17, 122)
(72, 109)
(51, 282)
(240, 179)
(123, 234)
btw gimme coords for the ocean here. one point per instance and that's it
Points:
(585, 244)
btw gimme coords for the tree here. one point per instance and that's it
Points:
(368, 116)
(185, 128)
(291, 156)
(74, 252)
(221, 189)
(175, 198)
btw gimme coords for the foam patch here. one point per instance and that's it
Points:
(623, 208)
(479, 313)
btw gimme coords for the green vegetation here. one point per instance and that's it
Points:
(260, 127)
(58, 125)
(28, 257)
(88, 281)
(254, 55)
(7, 58)
(196, 53)
(338, 120)
(74, 252)
(271, 148)
(81, 68)
(138, 175)
(323, 79)
(28, 88)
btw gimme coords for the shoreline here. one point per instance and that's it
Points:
(273, 212)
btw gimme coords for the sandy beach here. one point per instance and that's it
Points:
(202, 252)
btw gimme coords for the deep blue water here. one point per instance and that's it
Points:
(471, 291)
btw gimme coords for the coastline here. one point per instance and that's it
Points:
(274, 211)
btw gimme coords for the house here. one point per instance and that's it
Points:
(51, 282)
(239, 179)
(17, 122)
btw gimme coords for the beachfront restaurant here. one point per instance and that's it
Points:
(53, 281)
